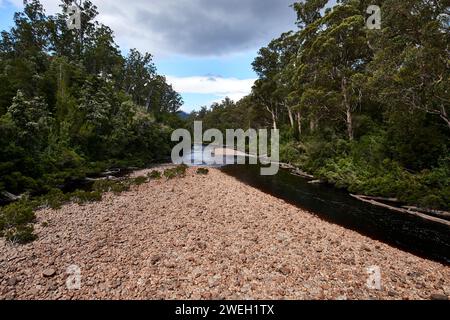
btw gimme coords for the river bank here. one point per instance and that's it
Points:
(209, 237)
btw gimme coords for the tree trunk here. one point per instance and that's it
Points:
(291, 116)
(274, 117)
(348, 110)
(312, 124)
(444, 116)
(148, 102)
(299, 124)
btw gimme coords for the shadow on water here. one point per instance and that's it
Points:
(413, 234)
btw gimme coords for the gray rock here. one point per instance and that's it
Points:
(12, 282)
(48, 273)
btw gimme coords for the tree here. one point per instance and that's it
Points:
(413, 72)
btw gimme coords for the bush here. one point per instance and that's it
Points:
(111, 186)
(202, 171)
(21, 234)
(154, 175)
(15, 222)
(179, 171)
(54, 199)
(82, 197)
(139, 181)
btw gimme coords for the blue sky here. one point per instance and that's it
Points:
(204, 47)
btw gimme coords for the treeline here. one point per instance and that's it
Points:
(72, 105)
(367, 110)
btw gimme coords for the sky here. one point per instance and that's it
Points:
(204, 47)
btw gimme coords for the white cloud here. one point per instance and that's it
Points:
(233, 88)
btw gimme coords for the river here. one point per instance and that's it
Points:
(410, 233)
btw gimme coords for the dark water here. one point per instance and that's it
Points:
(413, 234)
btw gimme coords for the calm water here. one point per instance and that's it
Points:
(410, 233)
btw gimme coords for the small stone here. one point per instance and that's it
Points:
(155, 259)
(437, 296)
(392, 293)
(12, 282)
(48, 273)
(284, 270)
(115, 284)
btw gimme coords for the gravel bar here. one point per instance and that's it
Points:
(206, 237)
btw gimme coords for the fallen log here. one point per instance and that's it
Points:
(411, 212)
(395, 200)
(315, 182)
(443, 214)
(10, 197)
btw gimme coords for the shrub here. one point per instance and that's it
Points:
(21, 234)
(179, 171)
(139, 181)
(154, 175)
(15, 220)
(54, 199)
(111, 186)
(82, 197)
(202, 171)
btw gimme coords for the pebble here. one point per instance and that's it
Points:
(148, 244)
(48, 273)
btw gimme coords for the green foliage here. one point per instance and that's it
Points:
(366, 110)
(202, 171)
(154, 175)
(114, 186)
(54, 199)
(16, 222)
(82, 197)
(72, 106)
(177, 172)
(139, 181)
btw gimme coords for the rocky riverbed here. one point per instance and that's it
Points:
(206, 237)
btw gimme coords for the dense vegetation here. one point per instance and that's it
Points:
(71, 106)
(366, 110)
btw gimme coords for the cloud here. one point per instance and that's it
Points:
(192, 27)
(220, 87)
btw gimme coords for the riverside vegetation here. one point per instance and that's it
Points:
(72, 106)
(366, 110)
(16, 219)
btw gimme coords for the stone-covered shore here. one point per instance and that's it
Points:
(206, 237)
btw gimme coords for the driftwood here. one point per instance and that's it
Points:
(443, 214)
(10, 197)
(315, 182)
(401, 210)
(395, 200)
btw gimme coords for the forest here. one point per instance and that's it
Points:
(363, 109)
(72, 105)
